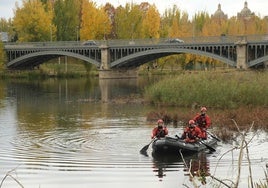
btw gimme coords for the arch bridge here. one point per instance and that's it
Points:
(113, 56)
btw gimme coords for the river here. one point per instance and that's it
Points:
(71, 133)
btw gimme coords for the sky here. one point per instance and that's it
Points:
(229, 7)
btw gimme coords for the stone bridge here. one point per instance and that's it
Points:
(112, 57)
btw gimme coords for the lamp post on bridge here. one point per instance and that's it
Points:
(77, 33)
(50, 32)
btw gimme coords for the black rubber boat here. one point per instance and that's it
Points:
(170, 145)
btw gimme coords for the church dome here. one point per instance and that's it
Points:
(245, 12)
(219, 13)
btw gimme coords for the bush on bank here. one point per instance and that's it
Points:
(214, 89)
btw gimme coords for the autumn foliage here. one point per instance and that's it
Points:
(58, 20)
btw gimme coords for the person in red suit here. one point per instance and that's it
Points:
(191, 133)
(203, 121)
(160, 130)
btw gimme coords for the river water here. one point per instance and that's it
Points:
(66, 133)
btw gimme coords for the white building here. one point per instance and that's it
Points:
(4, 36)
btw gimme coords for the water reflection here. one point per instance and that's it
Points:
(199, 167)
(196, 165)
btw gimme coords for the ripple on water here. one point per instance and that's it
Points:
(72, 150)
(100, 154)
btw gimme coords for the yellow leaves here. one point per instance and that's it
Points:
(174, 30)
(151, 23)
(95, 22)
(32, 22)
(188, 58)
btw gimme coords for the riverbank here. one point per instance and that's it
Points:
(226, 90)
(239, 97)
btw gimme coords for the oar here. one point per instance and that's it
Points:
(144, 149)
(213, 136)
(209, 147)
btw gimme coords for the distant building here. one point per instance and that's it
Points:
(245, 12)
(219, 14)
(4, 36)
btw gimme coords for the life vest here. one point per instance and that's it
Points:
(201, 121)
(159, 132)
(191, 133)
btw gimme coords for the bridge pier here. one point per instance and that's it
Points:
(106, 72)
(241, 50)
(105, 57)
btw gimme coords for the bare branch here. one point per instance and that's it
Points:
(8, 174)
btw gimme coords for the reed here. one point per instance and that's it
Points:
(219, 90)
(243, 161)
(239, 95)
(243, 151)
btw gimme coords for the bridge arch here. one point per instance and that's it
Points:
(158, 53)
(43, 56)
(258, 61)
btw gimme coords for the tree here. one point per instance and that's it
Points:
(128, 21)
(233, 26)
(174, 30)
(31, 22)
(151, 16)
(110, 11)
(199, 22)
(185, 27)
(67, 19)
(95, 22)
(4, 25)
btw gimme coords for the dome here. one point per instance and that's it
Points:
(245, 12)
(219, 13)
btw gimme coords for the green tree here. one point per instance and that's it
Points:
(67, 20)
(7, 26)
(4, 25)
(199, 22)
(31, 22)
(128, 22)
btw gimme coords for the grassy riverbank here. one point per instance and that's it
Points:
(213, 89)
(241, 96)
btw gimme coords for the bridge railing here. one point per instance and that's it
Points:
(162, 41)
(194, 40)
(42, 44)
(148, 41)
